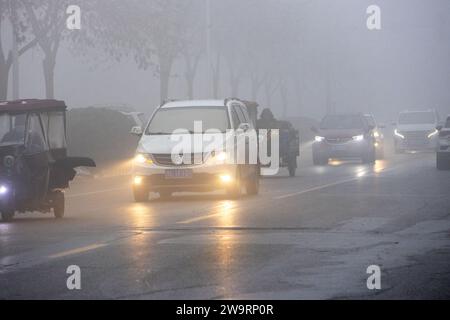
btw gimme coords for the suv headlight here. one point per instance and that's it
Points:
(319, 138)
(398, 134)
(358, 138)
(219, 157)
(433, 133)
(142, 158)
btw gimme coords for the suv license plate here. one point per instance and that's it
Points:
(178, 174)
(338, 148)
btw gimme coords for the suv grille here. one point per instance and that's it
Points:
(416, 137)
(165, 159)
(338, 140)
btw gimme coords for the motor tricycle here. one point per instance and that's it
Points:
(34, 166)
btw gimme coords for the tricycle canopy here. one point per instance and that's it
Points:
(38, 124)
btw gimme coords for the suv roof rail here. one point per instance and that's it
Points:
(230, 99)
(166, 101)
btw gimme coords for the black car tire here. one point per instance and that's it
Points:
(442, 161)
(292, 165)
(292, 170)
(252, 187)
(59, 204)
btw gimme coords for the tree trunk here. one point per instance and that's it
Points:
(284, 99)
(191, 72)
(268, 92)
(235, 88)
(49, 76)
(216, 77)
(4, 76)
(256, 86)
(190, 86)
(165, 68)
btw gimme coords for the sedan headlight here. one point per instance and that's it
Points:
(319, 138)
(433, 133)
(142, 158)
(398, 134)
(358, 137)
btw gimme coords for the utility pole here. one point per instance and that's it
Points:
(330, 25)
(209, 73)
(15, 53)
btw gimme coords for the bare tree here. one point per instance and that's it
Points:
(47, 21)
(12, 11)
(162, 31)
(193, 43)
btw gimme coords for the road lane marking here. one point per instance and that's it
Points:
(94, 192)
(200, 218)
(77, 250)
(315, 188)
(361, 174)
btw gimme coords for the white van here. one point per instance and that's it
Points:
(171, 157)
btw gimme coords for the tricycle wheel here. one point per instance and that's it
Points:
(58, 205)
(7, 215)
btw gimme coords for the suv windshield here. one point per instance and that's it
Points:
(342, 122)
(416, 118)
(167, 120)
(12, 129)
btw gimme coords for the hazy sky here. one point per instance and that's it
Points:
(405, 65)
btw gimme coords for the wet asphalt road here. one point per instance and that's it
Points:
(308, 237)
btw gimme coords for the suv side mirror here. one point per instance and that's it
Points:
(137, 131)
(244, 127)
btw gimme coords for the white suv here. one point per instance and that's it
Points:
(416, 130)
(443, 151)
(172, 154)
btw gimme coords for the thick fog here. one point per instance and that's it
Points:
(300, 58)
